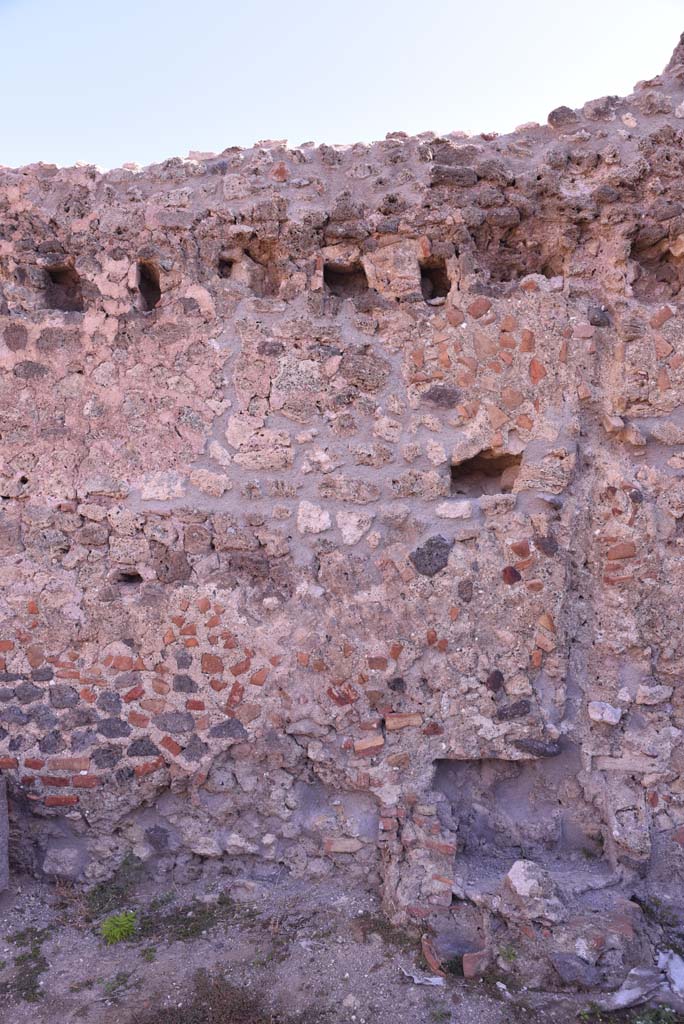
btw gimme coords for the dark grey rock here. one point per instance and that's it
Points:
(174, 722)
(230, 729)
(112, 728)
(43, 716)
(432, 556)
(43, 675)
(184, 684)
(143, 747)
(4, 837)
(444, 396)
(28, 370)
(27, 693)
(574, 971)
(195, 749)
(52, 743)
(518, 709)
(83, 739)
(539, 748)
(110, 702)
(107, 757)
(13, 715)
(63, 696)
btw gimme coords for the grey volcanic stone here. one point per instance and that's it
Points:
(175, 722)
(432, 556)
(113, 728)
(4, 837)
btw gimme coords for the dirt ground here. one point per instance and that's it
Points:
(305, 953)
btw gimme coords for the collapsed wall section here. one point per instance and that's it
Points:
(341, 509)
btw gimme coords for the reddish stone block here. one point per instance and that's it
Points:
(170, 744)
(433, 729)
(235, 696)
(85, 781)
(241, 667)
(430, 956)
(479, 307)
(510, 575)
(203, 605)
(258, 678)
(537, 371)
(134, 694)
(69, 764)
(624, 549)
(192, 704)
(138, 720)
(377, 663)
(60, 800)
(122, 663)
(8, 762)
(148, 767)
(35, 763)
(475, 964)
(212, 665)
(661, 316)
(54, 781)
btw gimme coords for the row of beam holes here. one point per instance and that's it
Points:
(63, 290)
(349, 281)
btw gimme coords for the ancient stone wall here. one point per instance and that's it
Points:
(341, 523)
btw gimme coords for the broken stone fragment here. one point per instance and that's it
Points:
(454, 510)
(653, 694)
(312, 518)
(536, 896)
(342, 845)
(353, 525)
(600, 711)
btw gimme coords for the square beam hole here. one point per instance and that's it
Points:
(434, 279)
(485, 473)
(148, 284)
(225, 266)
(346, 282)
(63, 290)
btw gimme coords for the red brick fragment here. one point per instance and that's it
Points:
(241, 667)
(86, 781)
(60, 800)
(479, 307)
(623, 549)
(170, 744)
(212, 665)
(258, 678)
(510, 575)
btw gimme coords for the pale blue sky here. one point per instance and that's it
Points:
(141, 81)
